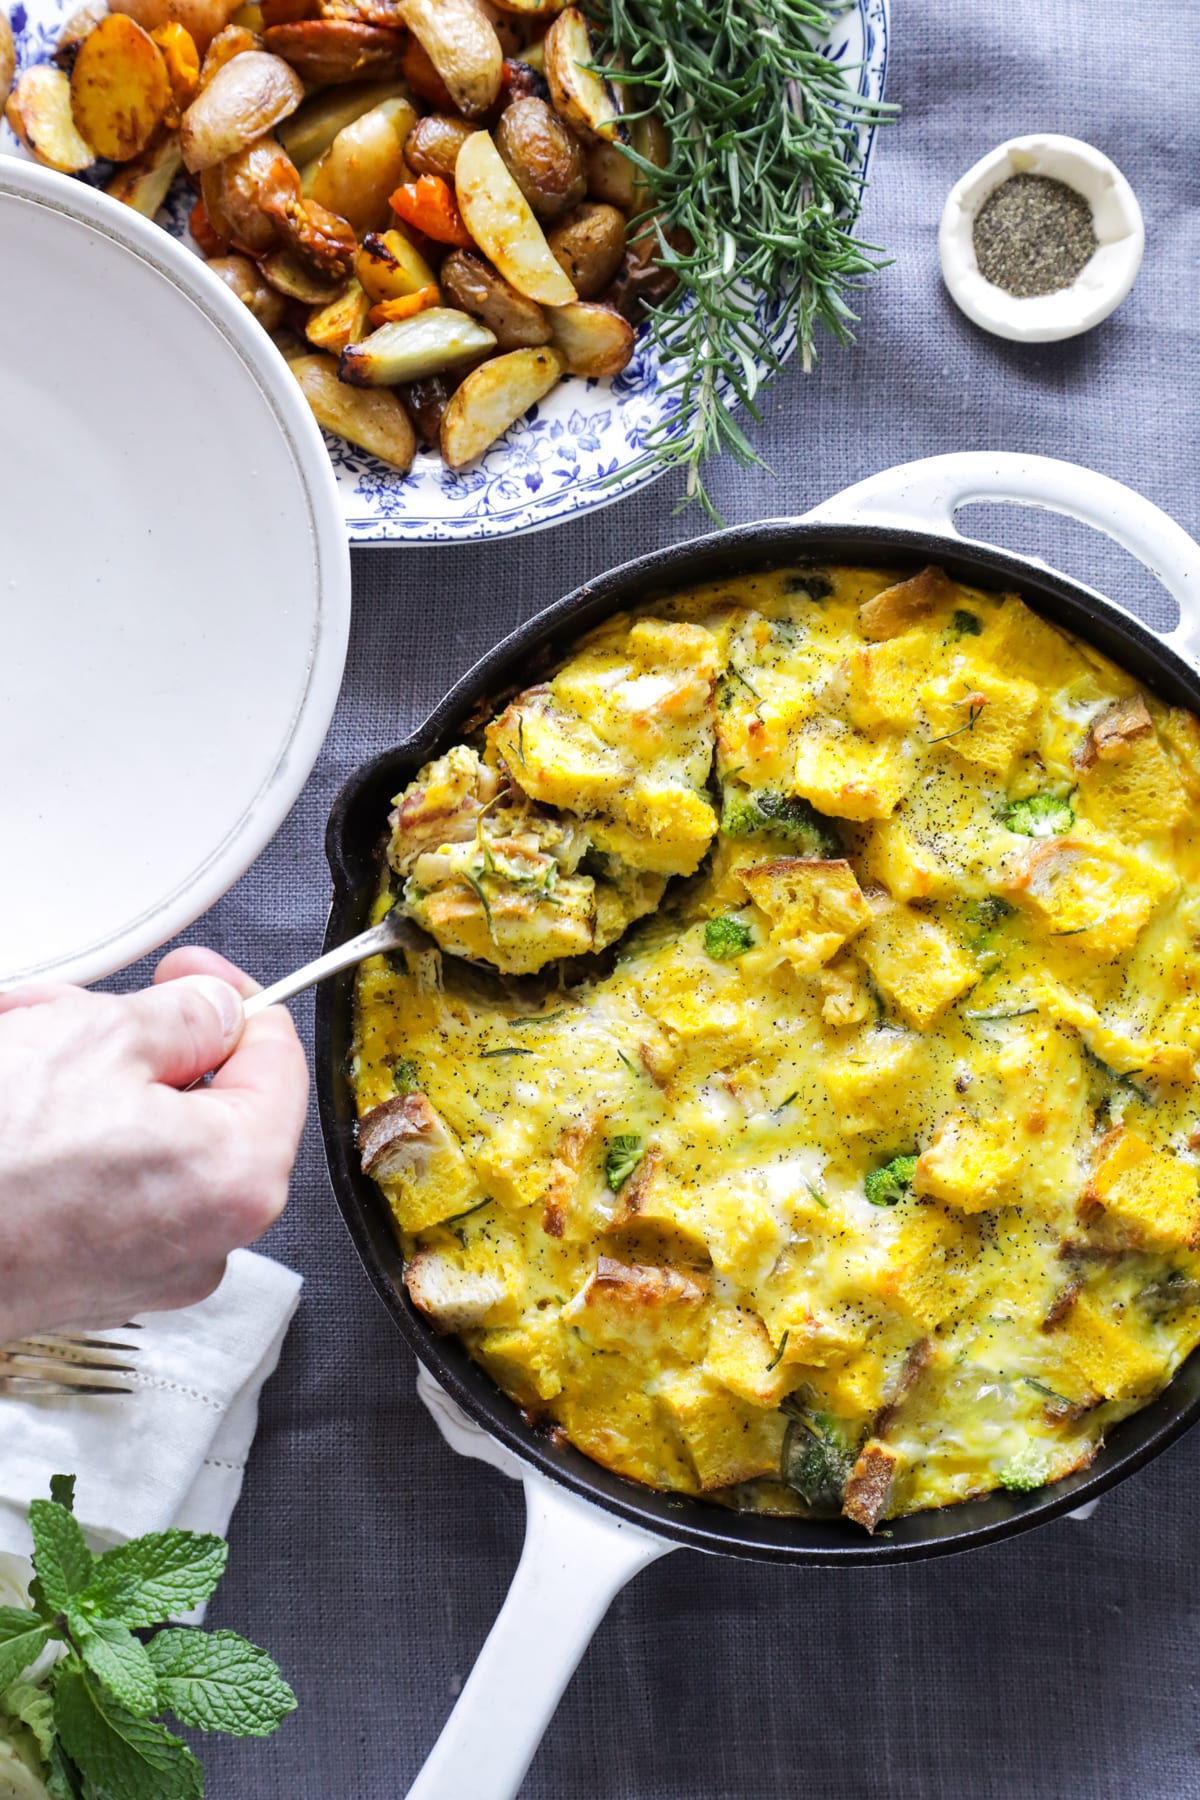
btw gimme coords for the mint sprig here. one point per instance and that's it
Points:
(88, 1719)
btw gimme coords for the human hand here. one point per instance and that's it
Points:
(118, 1192)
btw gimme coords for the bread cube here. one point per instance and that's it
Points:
(1099, 1341)
(874, 1085)
(526, 1360)
(908, 868)
(897, 608)
(916, 963)
(726, 1440)
(1098, 892)
(933, 1265)
(881, 681)
(969, 1165)
(407, 1147)
(850, 776)
(814, 907)
(1021, 644)
(742, 1358)
(1149, 1194)
(1131, 788)
(981, 715)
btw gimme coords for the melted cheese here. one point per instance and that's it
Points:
(871, 888)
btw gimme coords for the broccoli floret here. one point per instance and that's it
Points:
(726, 937)
(405, 1078)
(810, 582)
(963, 624)
(888, 1185)
(1026, 1471)
(803, 828)
(818, 1455)
(621, 1158)
(1042, 815)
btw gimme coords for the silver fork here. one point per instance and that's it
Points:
(64, 1365)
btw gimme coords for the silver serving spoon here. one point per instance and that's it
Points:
(394, 932)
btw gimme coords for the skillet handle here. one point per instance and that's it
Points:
(928, 493)
(575, 1559)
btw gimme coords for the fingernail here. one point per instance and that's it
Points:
(226, 1001)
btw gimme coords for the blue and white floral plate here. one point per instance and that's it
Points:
(567, 455)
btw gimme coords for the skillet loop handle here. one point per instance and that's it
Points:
(928, 493)
(575, 1559)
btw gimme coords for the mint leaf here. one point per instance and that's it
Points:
(30, 1704)
(126, 1757)
(23, 1637)
(166, 1572)
(61, 1778)
(217, 1681)
(62, 1491)
(60, 1556)
(118, 1659)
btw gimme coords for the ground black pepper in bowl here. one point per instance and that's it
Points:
(1033, 235)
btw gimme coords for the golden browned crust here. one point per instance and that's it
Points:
(892, 612)
(869, 1488)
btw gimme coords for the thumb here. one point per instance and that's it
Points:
(181, 1029)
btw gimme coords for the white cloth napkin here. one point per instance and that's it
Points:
(174, 1452)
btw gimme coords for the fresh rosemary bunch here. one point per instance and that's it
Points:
(762, 177)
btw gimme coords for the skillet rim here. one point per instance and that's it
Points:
(353, 837)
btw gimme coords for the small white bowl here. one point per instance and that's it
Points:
(1105, 278)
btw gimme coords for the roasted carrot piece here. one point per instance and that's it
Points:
(404, 306)
(429, 204)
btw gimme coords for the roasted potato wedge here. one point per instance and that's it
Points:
(248, 197)
(591, 339)
(584, 99)
(70, 37)
(484, 405)
(39, 111)
(389, 266)
(500, 219)
(408, 350)
(234, 40)
(461, 43)
(324, 52)
(589, 245)
(243, 279)
(542, 156)
(145, 182)
(365, 12)
(613, 178)
(470, 283)
(242, 101)
(310, 130)
(364, 164)
(374, 420)
(203, 19)
(433, 144)
(183, 65)
(293, 276)
(119, 88)
(342, 322)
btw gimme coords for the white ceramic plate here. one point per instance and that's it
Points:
(567, 455)
(174, 583)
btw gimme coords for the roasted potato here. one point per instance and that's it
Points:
(500, 220)
(145, 182)
(613, 178)
(461, 43)
(433, 144)
(530, 9)
(639, 284)
(428, 344)
(203, 19)
(373, 420)
(542, 156)
(364, 164)
(525, 81)
(310, 130)
(366, 12)
(425, 402)
(70, 37)
(491, 398)
(584, 99)
(243, 279)
(287, 12)
(248, 197)
(589, 246)
(234, 40)
(249, 14)
(342, 322)
(39, 112)
(472, 284)
(510, 33)
(292, 275)
(242, 101)
(119, 88)
(183, 65)
(8, 58)
(324, 52)
(591, 339)
(389, 266)
(325, 243)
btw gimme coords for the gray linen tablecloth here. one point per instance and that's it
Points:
(1061, 1666)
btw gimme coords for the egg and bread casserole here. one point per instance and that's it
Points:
(790, 1094)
